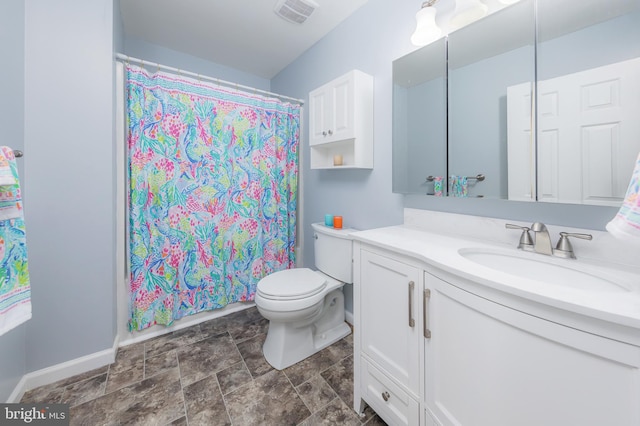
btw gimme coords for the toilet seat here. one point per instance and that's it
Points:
(291, 284)
(293, 290)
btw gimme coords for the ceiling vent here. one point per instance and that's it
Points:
(296, 11)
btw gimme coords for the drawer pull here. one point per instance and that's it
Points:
(412, 322)
(425, 313)
(386, 396)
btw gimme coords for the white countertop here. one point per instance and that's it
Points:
(442, 252)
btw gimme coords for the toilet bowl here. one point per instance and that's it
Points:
(305, 308)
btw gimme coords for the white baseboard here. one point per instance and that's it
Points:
(19, 390)
(63, 370)
(348, 316)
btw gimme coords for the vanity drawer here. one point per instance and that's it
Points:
(387, 399)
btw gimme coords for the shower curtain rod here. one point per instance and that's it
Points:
(125, 58)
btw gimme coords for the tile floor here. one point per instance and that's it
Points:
(212, 373)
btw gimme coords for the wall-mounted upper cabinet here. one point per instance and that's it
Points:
(341, 123)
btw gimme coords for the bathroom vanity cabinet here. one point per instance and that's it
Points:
(341, 122)
(433, 347)
(390, 339)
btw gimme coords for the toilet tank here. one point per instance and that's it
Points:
(333, 251)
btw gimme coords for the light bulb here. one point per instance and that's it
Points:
(426, 29)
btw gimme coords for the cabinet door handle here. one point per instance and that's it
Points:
(324, 133)
(412, 322)
(330, 132)
(425, 313)
(386, 396)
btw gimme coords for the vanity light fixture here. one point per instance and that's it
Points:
(508, 1)
(466, 12)
(426, 28)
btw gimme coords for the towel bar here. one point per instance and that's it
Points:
(479, 177)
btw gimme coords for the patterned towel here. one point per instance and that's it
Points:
(10, 197)
(626, 224)
(15, 291)
(459, 186)
(6, 175)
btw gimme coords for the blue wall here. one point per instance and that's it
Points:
(478, 118)
(423, 118)
(69, 179)
(13, 343)
(150, 52)
(50, 78)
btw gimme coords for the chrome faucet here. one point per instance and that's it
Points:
(542, 242)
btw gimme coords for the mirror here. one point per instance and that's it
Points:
(486, 59)
(571, 138)
(588, 98)
(419, 119)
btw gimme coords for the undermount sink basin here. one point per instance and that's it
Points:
(563, 272)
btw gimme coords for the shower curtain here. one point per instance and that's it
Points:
(212, 194)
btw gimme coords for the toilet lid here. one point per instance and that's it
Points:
(295, 283)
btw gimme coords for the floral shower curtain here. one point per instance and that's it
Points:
(212, 194)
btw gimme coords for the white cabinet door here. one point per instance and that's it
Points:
(487, 364)
(332, 111)
(343, 126)
(320, 112)
(390, 319)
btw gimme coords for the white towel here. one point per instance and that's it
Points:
(626, 224)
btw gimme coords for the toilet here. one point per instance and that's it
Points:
(305, 308)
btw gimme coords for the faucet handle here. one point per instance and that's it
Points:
(526, 242)
(564, 247)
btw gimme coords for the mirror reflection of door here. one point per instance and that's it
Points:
(588, 101)
(596, 112)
